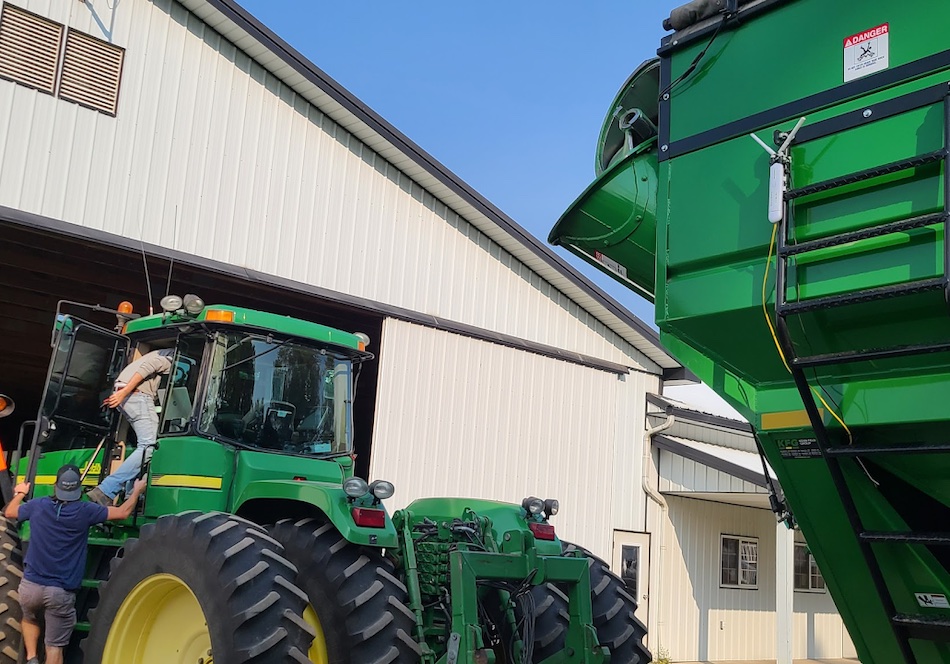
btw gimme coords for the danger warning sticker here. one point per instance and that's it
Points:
(866, 52)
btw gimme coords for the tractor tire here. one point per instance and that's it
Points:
(359, 608)
(196, 587)
(11, 573)
(618, 629)
(551, 619)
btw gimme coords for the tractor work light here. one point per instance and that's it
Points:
(193, 304)
(6, 405)
(551, 507)
(355, 487)
(382, 489)
(533, 505)
(170, 303)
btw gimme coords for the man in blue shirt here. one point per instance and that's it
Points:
(56, 558)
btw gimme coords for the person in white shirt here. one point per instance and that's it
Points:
(135, 391)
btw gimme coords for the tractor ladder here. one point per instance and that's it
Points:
(835, 454)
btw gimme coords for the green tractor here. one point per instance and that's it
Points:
(255, 540)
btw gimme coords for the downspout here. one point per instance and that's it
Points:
(656, 541)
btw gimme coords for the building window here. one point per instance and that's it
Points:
(629, 566)
(29, 48)
(807, 575)
(91, 72)
(739, 562)
(85, 70)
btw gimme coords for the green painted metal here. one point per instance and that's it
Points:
(253, 319)
(710, 259)
(612, 225)
(626, 190)
(463, 544)
(216, 458)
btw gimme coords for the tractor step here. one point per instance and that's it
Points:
(867, 174)
(90, 583)
(863, 234)
(107, 541)
(930, 539)
(923, 627)
(868, 450)
(81, 626)
(868, 355)
(867, 295)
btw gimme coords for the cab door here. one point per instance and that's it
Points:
(72, 421)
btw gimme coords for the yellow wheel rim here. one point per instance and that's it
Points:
(159, 622)
(318, 649)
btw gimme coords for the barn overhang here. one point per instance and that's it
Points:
(241, 28)
(703, 471)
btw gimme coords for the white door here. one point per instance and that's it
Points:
(632, 564)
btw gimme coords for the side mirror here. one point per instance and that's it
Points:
(46, 426)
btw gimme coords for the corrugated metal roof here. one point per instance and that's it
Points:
(746, 466)
(247, 33)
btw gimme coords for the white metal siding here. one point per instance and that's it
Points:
(212, 155)
(679, 474)
(700, 621)
(460, 417)
(739, 440)
(818, 632)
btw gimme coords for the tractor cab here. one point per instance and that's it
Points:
(241, 382)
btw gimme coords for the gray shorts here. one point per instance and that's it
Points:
(55, 605)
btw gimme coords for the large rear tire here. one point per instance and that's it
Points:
(618, 628)
(196, 587)
(11, 573)
(358, 607)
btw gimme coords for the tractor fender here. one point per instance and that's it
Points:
(285, 497)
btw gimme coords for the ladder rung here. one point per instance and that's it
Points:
(81, 626)
(868, 355)
(923, 627)
(868, 295)
(913, 448)
(90, 583)
(863, 234)
(867, 174)
(940, 539)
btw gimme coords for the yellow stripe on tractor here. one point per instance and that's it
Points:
(187, 481)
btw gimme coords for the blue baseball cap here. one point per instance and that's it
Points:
(68, 487)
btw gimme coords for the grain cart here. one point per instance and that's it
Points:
(776, 181)
(256, 542)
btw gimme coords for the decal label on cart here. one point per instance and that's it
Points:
(932, 600)
(799, 448)
(866, 52)
(610, 264)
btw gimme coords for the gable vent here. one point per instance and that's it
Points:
(91, 72)
(29, 48)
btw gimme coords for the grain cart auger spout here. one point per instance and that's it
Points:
(257, 542)
(808, 283)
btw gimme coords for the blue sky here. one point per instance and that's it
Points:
(509, 95)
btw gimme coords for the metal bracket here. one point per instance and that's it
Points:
(453, 650)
